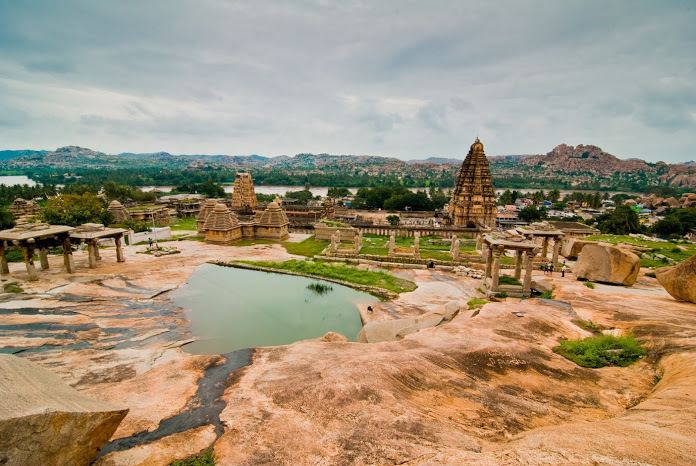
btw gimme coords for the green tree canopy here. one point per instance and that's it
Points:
(76, 209)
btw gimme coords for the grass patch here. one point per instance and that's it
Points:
(308, 248)
(501, 295)
(508, 280)
(12, 288)
(431, 247)
(602, 350)
(590, 285)
(186, 223)
(475, 303)
(204, 458)
(666, 248)
(341, 272)
(320, 288)
(548, 294)
(588, 325)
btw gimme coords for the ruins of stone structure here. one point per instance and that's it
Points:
(454, 248)
(473, 200)
(222, 226)
(119, 214)
(546, 232)
(272, 223)
(243, 195)
(328, 207)
(91, 234)
(31, 237)
(494, 247)
(24, 210)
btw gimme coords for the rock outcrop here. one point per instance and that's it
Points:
(45, 421)
(680, 280)
(392, 330)
(607, 264)
(571, 248)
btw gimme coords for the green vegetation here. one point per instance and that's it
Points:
(309, 247)
(621, 221)
(76, 209)
(587, 325)
(186, 223)
(12, 287)
(209, 188)
(532, 214)
(601, 350)
(590, 285)
(320, 288)
(548, 294)
(431, 247)
(501, 295)
(475, 303)
(341, 272)
(508, 280)
(677, 222)
(393, 219)
(205, 458)
(399, 197)
(302, 197)
(337, 192)
(664, 248)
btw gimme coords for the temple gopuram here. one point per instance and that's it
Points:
(243, 195)
(473, 200)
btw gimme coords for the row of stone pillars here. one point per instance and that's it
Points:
(522, 257)
(68, 260)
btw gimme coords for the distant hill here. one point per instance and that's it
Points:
(582, 165)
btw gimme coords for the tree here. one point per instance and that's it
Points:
(676, 222)
(302, 197)
(554, 195)
(531, 214)
(622, 221)
(6, 219)
(338, 192)
(393, 219)
(76, 209)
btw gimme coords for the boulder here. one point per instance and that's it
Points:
(607, 264)
(680, 280)
(45, 421)
(392, 330)
(570, 248)
(334, 337)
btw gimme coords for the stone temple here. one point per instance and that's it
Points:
(473, 200)
(243, 195)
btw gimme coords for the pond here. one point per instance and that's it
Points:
(231, 309)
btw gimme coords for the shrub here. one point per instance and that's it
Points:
(601, 350)
(587, 325)
(205, 458)
(501, 295)
(548, 294)
(319, 288)
(590, 285)
(474, 303)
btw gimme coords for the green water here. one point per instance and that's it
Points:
(230, 309)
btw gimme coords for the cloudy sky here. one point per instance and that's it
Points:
(397, 78)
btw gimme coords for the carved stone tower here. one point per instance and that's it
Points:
(473, 199)
(243, 196)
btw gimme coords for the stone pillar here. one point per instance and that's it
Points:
(68, 261)
(96, 250)
(479, 241)
(545, 248)
(489, 260)
(529, 266)
(416, 245)
(556, 248)
(27, 253)
(92, 255)
(518, 264)
(43, 257)
(392, 244)
(119, 249)
(496, 270)
(4, 267)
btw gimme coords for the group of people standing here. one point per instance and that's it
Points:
(548, 268)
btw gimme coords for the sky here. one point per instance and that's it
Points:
(394, 78)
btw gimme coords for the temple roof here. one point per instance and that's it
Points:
(273, 215)
(221, 219)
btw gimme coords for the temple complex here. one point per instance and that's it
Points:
(243, 195)
(221, 225)
(473, 200)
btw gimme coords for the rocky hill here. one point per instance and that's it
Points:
(586, 159)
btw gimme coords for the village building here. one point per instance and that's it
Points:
(473, 200)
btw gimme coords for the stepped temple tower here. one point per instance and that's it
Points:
(473, 200)
(243, 196)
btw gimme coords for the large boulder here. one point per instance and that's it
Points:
(396, 329)
(45, 421)
(680, 280)
(607, 264)
(571, 248)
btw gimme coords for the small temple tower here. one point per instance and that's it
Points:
(243, 195)
(272, 223)
(222, 226)
(207, 208)
(118, 212)
(473, 200)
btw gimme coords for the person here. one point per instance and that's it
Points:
(369, 308)
(149, 240)
(431, 264)
(563, 269)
